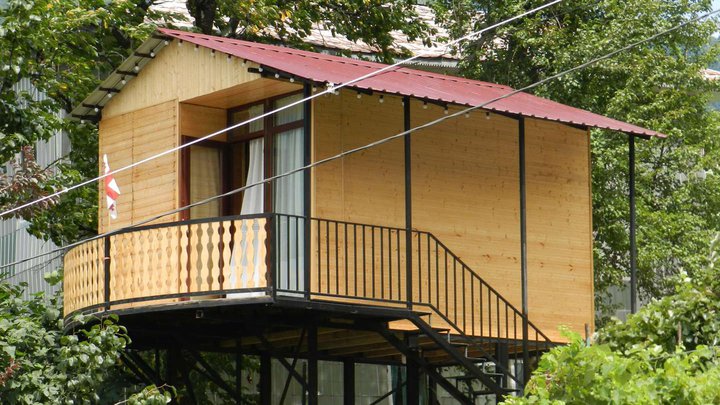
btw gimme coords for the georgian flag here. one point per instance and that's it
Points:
(112, 191)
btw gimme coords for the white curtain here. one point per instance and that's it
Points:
(252, 203)
(289, 200)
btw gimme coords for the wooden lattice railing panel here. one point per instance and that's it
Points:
(84, 278)
(168, 263)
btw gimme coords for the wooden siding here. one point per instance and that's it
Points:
(183, 73)
(466, 193)
(559, 211)
(367, 187)
(197, 121)
(148, 189)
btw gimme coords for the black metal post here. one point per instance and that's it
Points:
(312, 378)
(523, 248)
(273, 222)
(271, 243)
(408, 205)
(265, 379)
(502, 357)
(238, 371)
(172, 367)
(106, 269)
(348, 382)
(412, 376)
(432, 392)
(633, 245)
(307, 189)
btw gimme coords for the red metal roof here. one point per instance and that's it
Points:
(404, 81)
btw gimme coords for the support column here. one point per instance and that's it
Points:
(408, 205)
(265, 379)
(172, 367)
(523, 248)
(238, 372)
(307, 190)
(312, 378)
(412, 374)
(268, 205)
(502, 357)
(413, 383)
(633, 245)
(432, 392)
(348, 382)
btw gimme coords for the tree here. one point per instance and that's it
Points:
(39, 363)
(61, 48)
(64, 48)
(666, 353)
(370, 21)
(657, 85)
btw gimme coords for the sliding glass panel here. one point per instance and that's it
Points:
(239, 115)
(288, 196)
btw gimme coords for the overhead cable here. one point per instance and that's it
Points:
(330, 89)
(378, 142)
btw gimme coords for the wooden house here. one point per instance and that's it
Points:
(466, 242)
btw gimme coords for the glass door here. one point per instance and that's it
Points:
(288, 198)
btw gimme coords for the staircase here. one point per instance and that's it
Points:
(489, 343)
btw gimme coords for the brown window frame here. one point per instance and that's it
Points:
(268, 133)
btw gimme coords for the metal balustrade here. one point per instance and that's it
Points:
(315, 259)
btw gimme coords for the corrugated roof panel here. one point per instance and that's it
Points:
(405, 81)
(401, 80)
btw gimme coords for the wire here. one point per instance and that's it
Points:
(37, 267)
(330, 88)
(380, 141)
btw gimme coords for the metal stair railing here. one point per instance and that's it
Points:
(368, 264)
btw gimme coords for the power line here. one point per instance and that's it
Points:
(380, 141)
(36, 267)
(330, 88)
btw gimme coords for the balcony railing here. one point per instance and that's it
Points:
(170, 262)
(225, 258)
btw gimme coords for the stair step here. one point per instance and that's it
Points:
(419, 332)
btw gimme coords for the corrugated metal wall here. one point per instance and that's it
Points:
(15, 243)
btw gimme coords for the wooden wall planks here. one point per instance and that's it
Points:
(466, 192)
(150, 188)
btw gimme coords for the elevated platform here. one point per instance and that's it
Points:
(257, 285)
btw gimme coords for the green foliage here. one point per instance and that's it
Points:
(666, 353)
(61, 48)
(151, 395)
(40, 364)
(369, 21)
(658, 85)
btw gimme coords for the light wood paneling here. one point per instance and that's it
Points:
(466, 193)
(560, 276)
(197, 121)
(150, 188)
(188, 75)
(365, 187)
(245, 93)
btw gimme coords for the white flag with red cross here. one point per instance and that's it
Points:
(112, 191)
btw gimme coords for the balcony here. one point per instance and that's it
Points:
(225, 261)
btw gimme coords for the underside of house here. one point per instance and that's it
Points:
(454, 251)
